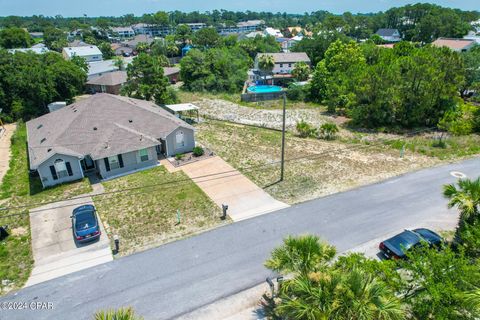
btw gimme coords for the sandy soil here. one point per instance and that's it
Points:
(5, 148)
(225, 110)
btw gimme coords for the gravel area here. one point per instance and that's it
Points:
(229, 111)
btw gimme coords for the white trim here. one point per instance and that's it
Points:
(81, 169)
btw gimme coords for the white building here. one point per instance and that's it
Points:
(389, 35)
(90, 53)
(40, 50)
(124, 32)
(284, 62)
(273, 32)
(150, 29)
(196, 26)
(243, 27)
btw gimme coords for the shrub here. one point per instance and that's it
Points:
(463, 120)
(198, 151)
(328, 131)
(305, 130)
(179, 156)
(296, 92)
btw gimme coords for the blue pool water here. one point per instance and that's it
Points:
(264, 89)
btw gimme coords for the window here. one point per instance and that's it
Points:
(289, 65)
(281, 65)
(60, 168)
(113, 162)
(180, 139)
(143, 155)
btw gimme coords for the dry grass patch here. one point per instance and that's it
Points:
(147, 217)
(316, 167)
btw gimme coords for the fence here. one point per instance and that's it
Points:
(257, 97)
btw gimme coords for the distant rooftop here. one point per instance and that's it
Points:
(82, 51)
(286, 57)
(453, 43)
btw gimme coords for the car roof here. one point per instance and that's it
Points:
(87, 207)
(405, 239)
(428, 234)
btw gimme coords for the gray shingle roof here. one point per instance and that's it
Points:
(100, 126)
(285, 57)
(110, 79)
(386, 32)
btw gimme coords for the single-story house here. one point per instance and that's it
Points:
(99, 68)
(285, 61)
(110, 82)
(121, 50)
(389, 35)
(273, 32)
(36, 50)
(141, 38)
(172, 73)
(89, 53)
(459, 45)
(104, 134)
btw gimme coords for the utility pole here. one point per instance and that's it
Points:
(282, 164)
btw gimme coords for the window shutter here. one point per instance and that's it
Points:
(107, 165)
(69, 169)
(54, 173)
(120, 160)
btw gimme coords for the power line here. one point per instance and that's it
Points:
(234, 172)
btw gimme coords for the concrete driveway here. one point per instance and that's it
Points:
(243, 197)
(55, 251)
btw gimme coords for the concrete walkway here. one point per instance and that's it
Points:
(54, 250)
(243, 197)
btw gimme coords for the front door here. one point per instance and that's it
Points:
(88, 163)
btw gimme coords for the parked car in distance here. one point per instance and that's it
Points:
(397, 246)
(85, 224)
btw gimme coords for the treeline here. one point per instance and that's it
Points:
(407, 86)
(418, 22)
(29, 82)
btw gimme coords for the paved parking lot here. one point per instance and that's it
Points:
(54, 249)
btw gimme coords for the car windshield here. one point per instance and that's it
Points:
(404, 241)
(85, 220)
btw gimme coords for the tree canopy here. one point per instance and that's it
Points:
(29, 82)
(14, 38)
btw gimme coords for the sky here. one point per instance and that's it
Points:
(94, 8)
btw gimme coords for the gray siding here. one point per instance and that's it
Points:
(189, 138)
(46, 175)
(130, 163)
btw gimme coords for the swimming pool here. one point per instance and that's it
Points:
(264, 89)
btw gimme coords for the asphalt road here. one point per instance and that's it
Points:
(179, 277)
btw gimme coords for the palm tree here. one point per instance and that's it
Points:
(300, 255)
(466, 198)
(364, 297)
(266, 63)
(120, 314)
(334, 294)
(472, 300)
(301, 71)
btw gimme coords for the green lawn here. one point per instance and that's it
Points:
(18, 189)
(147, 217)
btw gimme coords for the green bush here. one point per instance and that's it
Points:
(328, 131)
(198, 151)
(296, 92)
(463, 120)
(305, 130)
(179, 156)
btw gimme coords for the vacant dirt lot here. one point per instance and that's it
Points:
(314, 167)
(269, 118)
